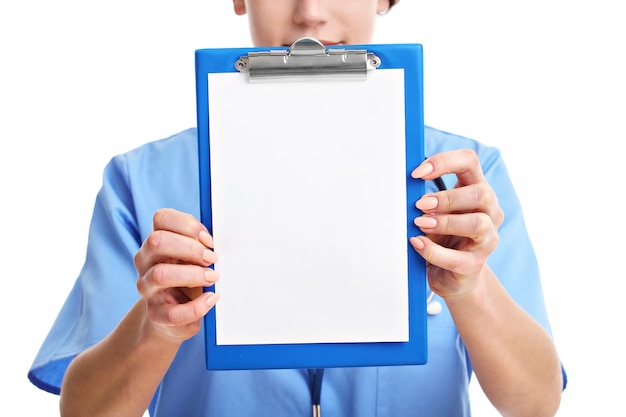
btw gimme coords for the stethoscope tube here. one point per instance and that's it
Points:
(315, 385)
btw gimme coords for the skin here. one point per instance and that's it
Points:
(513, 357)
(331, 22)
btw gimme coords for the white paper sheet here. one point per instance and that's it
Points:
(309, 209)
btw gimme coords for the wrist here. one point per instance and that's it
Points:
(151, 334)
(474, 296)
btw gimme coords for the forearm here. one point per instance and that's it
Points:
(119, 375)
(513, 357)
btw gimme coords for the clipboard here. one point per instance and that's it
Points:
(276, 126)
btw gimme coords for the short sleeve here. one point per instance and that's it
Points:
(105, 288)
(514, 261)
(158, 174)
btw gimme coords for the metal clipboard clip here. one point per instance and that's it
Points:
(306, 57)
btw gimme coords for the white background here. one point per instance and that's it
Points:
(541, 80)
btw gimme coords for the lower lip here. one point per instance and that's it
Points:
(323, 43)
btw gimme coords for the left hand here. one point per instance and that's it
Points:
(460, 224)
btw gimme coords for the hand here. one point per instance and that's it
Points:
(460, 224)
(173, 269)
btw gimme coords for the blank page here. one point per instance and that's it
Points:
(308, 194)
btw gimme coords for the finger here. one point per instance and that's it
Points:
(464, 163)
(165, 246)
(472, 198)
(460, 263)
(175, 315)
(180, 247)
(476, 227)
(181, 223)
(163, 275)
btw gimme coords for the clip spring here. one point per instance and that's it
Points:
(307, 56)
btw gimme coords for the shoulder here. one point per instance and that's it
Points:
(437, 140)
(182, 144)
(156, 161)
(157, 174)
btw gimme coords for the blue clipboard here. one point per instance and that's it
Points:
(260, 63)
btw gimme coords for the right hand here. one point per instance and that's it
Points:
(173, 269)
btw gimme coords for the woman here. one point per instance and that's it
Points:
(113, 351)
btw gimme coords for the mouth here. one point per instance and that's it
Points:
(330, 43)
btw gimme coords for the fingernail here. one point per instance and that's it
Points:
(205, 238)
(208, 256)
(417, 243)
(427, 203)
(212, 298)
(425, 222)
(422, 170)
(210, 276)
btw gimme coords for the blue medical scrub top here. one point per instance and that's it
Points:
(164, 173)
